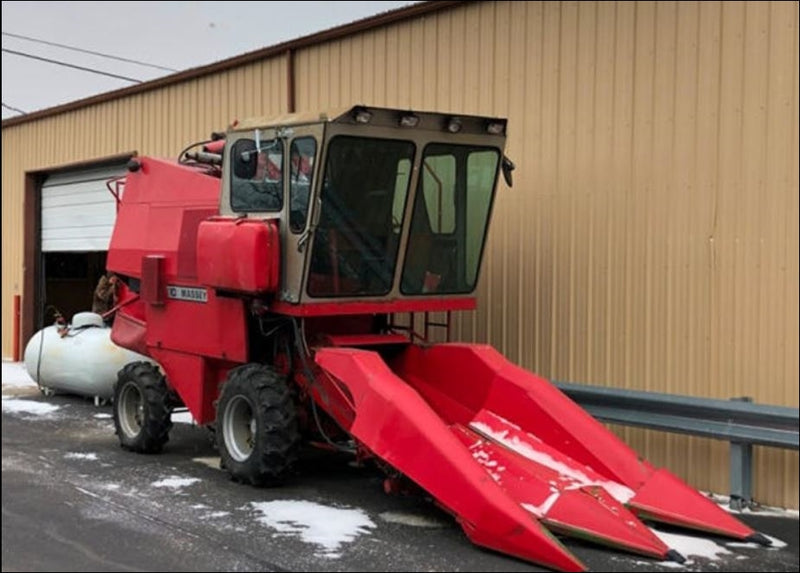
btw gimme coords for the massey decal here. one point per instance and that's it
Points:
(187, 293)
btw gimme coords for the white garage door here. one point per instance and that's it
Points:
(78, 212)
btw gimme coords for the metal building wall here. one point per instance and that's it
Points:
(651, 238)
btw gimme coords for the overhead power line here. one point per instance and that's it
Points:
(84, 51)
(67, 65)
(12, 108)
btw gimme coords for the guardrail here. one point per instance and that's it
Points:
(738, 421)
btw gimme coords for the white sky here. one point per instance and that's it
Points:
(178, 35)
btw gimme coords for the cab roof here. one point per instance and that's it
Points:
(378, 116)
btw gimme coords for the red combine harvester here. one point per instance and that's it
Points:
(265, 274)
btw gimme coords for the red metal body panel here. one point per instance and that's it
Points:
(129, 331)
(372, 307)
(215, 329)
(162, 206)
(564, 495)
(195, 378)
(184, 337)
(686, 507)
(188, 376)
(239, 254)
(479, 377)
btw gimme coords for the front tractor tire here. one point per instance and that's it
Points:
(257, 430)
(142, 408)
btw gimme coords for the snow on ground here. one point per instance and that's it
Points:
(211, 461)
(667, 564)
(410, 519)
(322, 525)
(17, 406)
(215, 515)
(175, 482)
(182, 418)
(102, 416)
(14, 374)
(80, 456)
(776, 543)
(690, 546)
(724, 502)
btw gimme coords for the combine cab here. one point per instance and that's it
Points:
(265, 273)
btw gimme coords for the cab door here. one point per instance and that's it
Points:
(303, 148)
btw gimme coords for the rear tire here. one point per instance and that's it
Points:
(142, 408)
(257, 431)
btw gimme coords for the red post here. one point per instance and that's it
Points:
(17, 314)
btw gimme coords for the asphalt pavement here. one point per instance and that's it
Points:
(72, 500)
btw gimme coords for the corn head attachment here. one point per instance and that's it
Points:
(512, 457)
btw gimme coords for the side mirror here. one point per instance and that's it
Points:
(508, 167)
(244, 159)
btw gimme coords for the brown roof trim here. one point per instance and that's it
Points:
(98, 162)
(336, 33)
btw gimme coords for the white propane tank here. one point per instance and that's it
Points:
(84, 361)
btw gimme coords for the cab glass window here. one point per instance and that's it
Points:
(257, 176)
(301, 165)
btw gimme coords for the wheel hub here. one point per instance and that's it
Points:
(131, 410)
(239, 428)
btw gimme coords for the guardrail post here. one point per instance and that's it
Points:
(741, 470)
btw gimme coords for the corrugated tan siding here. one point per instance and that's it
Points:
(651, 238)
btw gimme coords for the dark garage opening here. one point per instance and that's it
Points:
(69, 280)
